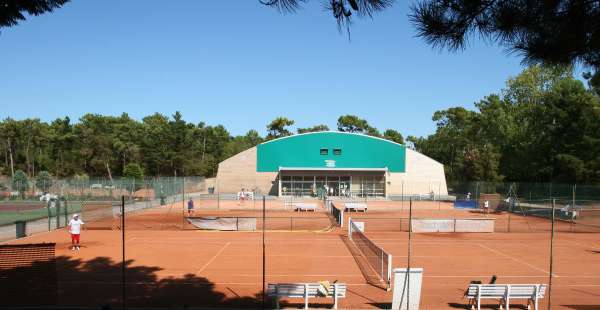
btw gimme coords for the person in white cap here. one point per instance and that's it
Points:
(75, 230)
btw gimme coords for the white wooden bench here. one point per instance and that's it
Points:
(306, 291)
(505, 292)
(355, 206)
(301, 206)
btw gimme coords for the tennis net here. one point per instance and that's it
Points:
(379, 260)
(336, 213)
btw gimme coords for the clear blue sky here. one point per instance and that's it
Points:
(237, 63)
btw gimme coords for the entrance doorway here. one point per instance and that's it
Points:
(332, 183)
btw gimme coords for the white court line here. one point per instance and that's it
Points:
(591, 244)
(199, 243)
(359, 275)
(295, 275)
(257, 283)
(195, 283)
(289, 255)
(336, 239)
(515, 259)
(31, 236)
(213, 258)
(404, 241)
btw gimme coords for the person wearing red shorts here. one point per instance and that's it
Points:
(75, 230)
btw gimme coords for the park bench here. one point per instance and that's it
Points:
(355, 206)
(302, 206)
(245, 195)
(505, 292)
(306, 291)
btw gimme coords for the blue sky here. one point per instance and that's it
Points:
(237, 63)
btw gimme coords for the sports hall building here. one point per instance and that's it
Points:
(343, 164)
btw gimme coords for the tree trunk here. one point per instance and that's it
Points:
(203, 148)
(109, 174)
(12, 162)
(58, 164)
(27, 156)
(33, 164)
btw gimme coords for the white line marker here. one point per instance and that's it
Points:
(213, 258)
(516, 259)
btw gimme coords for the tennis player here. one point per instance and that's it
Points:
(190, 207)
(75, 229)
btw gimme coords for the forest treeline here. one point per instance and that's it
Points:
(544, 126)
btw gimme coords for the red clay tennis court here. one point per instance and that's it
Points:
(168, 266)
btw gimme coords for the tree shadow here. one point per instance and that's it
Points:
(381, 305)
(67, 282)
(485, 306)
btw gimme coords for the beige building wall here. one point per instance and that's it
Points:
(423, 175)
(239, 171)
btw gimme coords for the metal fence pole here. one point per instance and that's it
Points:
(183, 201)
(123, 279)
(49, 215)
(510, 210)
(409, 254)
(573, 209)
(551, 256)
(402, 195)
(263, 254)
(439, 201)
(66, 211)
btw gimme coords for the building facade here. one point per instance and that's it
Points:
(343, 164)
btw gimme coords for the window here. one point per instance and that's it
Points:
(337, 151)
(324, 151)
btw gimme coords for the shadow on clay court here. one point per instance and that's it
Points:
(484, 306)
(381, 305)
(97, 283)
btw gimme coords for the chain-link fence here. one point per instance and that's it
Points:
(527, 207)
(29, 207)
(171, 236)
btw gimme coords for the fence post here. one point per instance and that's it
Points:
(66, 211)
(510, 210)
(439, 201)
(263, 255)
(182, 201)
(551, 256)
(49, 215)
(123, 279)
(409, 253)
(573, 209)
(402, 196)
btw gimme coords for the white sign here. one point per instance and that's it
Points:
(405, 296)
(360, 225)
(330, 163)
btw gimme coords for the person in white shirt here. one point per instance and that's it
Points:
(486, 206)
(75, 230)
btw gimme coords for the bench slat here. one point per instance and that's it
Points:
(297, 290)
(499, 290)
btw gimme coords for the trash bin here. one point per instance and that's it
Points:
(20, 227)
(211, 190)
